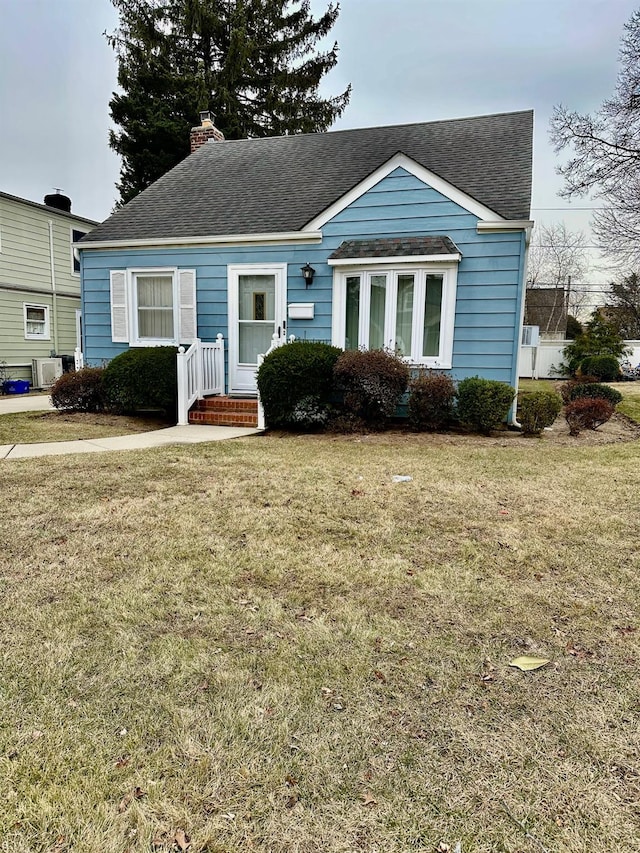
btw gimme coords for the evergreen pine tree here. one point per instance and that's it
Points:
(253, 63)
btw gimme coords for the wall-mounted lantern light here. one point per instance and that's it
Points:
(308, 273)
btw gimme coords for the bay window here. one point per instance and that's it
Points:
(407, 308)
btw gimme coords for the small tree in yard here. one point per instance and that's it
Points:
(598, 338)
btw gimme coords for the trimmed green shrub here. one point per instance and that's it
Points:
(483, 404)
(595, 390)
(372, 383)
(587, 413)
(143, 378)
(597, 338)
(80, 391)
(605, 368)
(537, 410)
(295, 382)
(431, 398)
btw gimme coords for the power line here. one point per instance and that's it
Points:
(572, 209)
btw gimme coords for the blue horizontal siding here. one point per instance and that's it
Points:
(489, 279)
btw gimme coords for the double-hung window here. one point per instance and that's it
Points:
(75, 255)
(36, 322)
(406, 308)
(154, 300)
(153, 306)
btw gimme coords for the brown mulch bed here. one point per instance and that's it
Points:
(619, 429)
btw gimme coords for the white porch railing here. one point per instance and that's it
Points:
(200, 372)
(277, 340)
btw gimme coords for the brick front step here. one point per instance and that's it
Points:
(225, 411)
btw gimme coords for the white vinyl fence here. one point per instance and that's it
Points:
(544, 360)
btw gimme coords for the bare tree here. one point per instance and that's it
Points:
(606, 156)
(557, 255)
(557, 264)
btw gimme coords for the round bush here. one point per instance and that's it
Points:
(143, 378)
(80, 390)
(587, 413)
(295, 382)
(537, 410)
(431, 397)
(605, 368)
(594, 390)
(483, 404)
(372, 383)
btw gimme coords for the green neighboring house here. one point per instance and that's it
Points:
(39, 286)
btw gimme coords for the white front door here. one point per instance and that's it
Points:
(257, 309)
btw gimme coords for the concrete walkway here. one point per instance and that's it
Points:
(24, 403)
(192, 434)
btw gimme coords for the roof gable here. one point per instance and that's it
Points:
(397, 163)
(286, 183)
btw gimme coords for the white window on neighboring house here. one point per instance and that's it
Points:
(406, 308)
(36, 322)
(153, 307)
(75, 254)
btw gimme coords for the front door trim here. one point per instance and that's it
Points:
(242, 378)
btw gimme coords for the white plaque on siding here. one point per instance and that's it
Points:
(301, 310)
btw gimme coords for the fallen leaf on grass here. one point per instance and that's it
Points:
(182, 839)
(626, 630)
(528, 663)
(578, 652)
(136, 794)
(368, 799)
(380, 676)
(123, 761)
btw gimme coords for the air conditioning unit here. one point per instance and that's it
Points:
(530, 336)
(46, 371)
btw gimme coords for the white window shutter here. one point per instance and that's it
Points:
(119, 313)
(187, 306)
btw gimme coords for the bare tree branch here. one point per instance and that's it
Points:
(606, 156)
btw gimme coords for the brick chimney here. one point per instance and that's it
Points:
(205, 132)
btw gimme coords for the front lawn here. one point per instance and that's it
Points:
(268, 645)
(630, 405)
(35, 427)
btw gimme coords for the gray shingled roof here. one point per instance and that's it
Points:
(394, 247)
(254, 186)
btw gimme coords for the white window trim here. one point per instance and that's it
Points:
(132, 296)
(449, 272)
(74, 250)
(29, 336)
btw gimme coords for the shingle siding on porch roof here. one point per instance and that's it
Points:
(488, 298)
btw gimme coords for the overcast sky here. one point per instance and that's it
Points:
(408, 61)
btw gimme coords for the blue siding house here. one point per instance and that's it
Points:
(409, 237)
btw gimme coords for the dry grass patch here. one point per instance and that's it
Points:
(630, 405)
(284, 651)
(36, 427)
